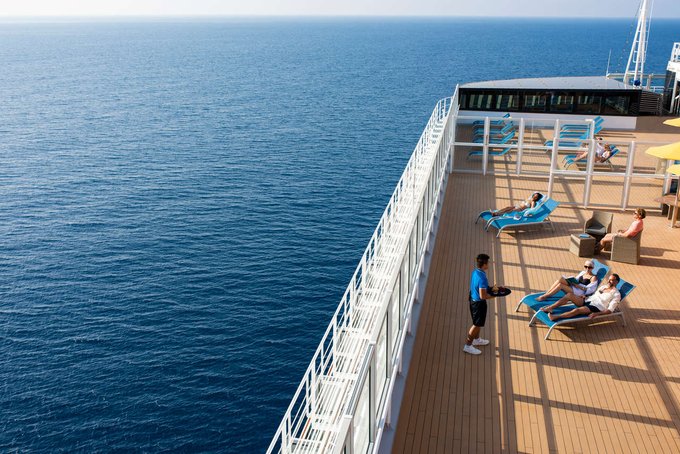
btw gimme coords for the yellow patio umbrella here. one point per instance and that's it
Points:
(670, 151)
(674, 169)
(673, 122)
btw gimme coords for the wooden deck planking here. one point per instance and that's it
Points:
(525, 394)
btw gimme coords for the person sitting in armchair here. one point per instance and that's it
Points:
(635, 227)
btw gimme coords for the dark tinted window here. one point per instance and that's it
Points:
(480, 101)
(562, 102)
(588, 104)
(534, 102)
(616, 105)
(507, 102)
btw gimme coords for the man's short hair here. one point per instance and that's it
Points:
(482, 259)
(616, 276)
(641, 212)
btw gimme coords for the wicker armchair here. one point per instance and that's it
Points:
(599, 224)
(626, 250)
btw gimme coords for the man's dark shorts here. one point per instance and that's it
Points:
(592, 308)
(478, 312)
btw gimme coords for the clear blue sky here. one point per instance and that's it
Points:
(558, 8)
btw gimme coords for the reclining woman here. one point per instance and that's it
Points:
(602, 151)
(521, 206)
(603, 302)
(635, 227)
(587, 284)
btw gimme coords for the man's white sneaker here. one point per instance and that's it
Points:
(471, 350)
(480, 341)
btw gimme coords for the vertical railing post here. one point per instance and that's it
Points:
(630, 164)
(520, 146)
(553, 158)
(485, 148)
(589, 173)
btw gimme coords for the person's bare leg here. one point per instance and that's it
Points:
(503, 211)
(473, 334)
(560, 284)
(604, 242)
(581, 155)
(578, 311)
(568, 298)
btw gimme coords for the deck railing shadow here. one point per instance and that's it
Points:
(650, 375)
(507, 386)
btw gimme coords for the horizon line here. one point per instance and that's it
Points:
(320, 16)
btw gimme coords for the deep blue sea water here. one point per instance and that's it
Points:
(182, 204)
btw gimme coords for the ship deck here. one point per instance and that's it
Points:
(598, 387)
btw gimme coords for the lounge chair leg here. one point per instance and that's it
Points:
(623, 318)
(549, 331)
(517, 307)
(532, 322)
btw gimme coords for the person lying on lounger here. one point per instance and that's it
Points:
(602, 151)
(521, 206)
(585, 286)
(603, 302)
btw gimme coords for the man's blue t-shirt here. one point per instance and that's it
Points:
(478, 280)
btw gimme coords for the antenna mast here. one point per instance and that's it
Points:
(636, 60)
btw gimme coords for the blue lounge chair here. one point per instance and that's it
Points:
(599, 269)
(581, 127)
(495, 133)
(494, 129)
(487, 215)
(491, 153)
(624, 288)
(573, 139)
(493, 122)
(497, 140)
(539, 215)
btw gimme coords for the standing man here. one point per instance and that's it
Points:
(479, 286)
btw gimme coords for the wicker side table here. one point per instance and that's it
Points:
(583, 246)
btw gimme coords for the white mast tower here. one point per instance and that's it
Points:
(636, 60)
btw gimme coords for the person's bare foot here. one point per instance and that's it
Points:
(541, 298)
(547, 309)
(553, 317)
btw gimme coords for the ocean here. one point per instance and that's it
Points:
(183, 202)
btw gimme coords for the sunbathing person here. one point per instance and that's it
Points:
(587, 283)
(603, 302)
(602, 151)
(521, 206)
(636, 227)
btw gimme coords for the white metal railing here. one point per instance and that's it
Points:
(675, 53)
(652, 82)
(344, 398)
(550, 154)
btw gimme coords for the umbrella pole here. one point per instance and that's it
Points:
(674, 219)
